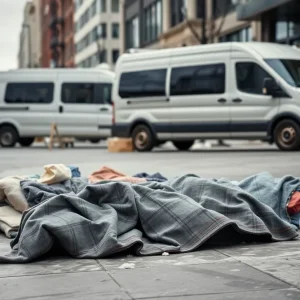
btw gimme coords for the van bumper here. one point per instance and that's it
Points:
(120, 130)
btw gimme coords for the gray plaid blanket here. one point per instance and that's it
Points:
(94, 221)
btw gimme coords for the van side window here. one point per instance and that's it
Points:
(29, 93)
(143, 84)
(86, 93)
(250, 77)
(198, 80)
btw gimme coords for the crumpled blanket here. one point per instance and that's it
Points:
(180, 215)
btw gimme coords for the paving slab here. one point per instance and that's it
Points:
(84, 285)
(286, 294)
(277, 259)
(57, 265)
(167, 281)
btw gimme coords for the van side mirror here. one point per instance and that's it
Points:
(270, 87)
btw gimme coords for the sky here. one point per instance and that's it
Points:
(11, 16)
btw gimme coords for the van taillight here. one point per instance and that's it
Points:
(113, 113)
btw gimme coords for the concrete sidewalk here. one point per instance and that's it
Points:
(248, 271)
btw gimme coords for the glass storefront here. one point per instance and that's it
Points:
(287, 32)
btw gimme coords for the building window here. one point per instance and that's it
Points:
(102, 31)
(287, 32)
(153, 21)
(93, 9)
(115, 30)
(102, 8)
(198, 80)
(143, 84)
(115, 6)
(250, 77)
(223, 7)
(103, 56)
(200, 8)
(115, 55)
(86, 93)
(178, 8)
(243, 35)
(132, 33)
(31, 93)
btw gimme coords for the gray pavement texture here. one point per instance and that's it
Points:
(245, 271)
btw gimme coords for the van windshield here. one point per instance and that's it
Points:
(288, 69)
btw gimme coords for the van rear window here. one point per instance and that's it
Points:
(29, 93)
(140, 84)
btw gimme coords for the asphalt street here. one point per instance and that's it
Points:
(255, 271)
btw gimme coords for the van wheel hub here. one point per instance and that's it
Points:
(6, 138)
(288, 135)
(141, 139)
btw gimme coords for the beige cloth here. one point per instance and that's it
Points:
(10, 190)
(10, 220)
(55, 173)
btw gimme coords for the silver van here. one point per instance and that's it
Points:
(77, 100)
(220, 91)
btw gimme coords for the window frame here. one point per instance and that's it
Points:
(94, 84)
(236, 80)
(52, 88)
(223, 64)
(130, 73)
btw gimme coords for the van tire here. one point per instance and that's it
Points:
(287, 135)
(142, 138)
(183, 145)
(26, 142)
(8, 136)
(95, 141)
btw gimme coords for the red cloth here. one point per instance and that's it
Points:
(293, 206)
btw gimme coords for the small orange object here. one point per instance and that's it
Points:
(120, 145)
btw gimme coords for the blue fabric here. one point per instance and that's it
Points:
(154, 177)
(295, 220)
(75, 171)
(274, 192)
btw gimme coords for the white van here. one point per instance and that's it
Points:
(218, 91)
(77, 100)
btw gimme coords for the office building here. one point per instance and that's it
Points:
(57, 23)
(97, 32)
(174, 23)
(30, 43)
(279, 19)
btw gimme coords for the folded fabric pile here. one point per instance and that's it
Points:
(13, 201)
(94, 220)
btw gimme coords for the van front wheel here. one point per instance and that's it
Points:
(183, 145)
(142, 138)
(287, 135)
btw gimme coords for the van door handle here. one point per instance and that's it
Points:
(61, 108)
(237, 100)
(222, 100)
(103, 109)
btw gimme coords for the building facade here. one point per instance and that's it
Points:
(30, 43)
(279, 19)
(174, 23)
(97, 32)
(57, 25)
